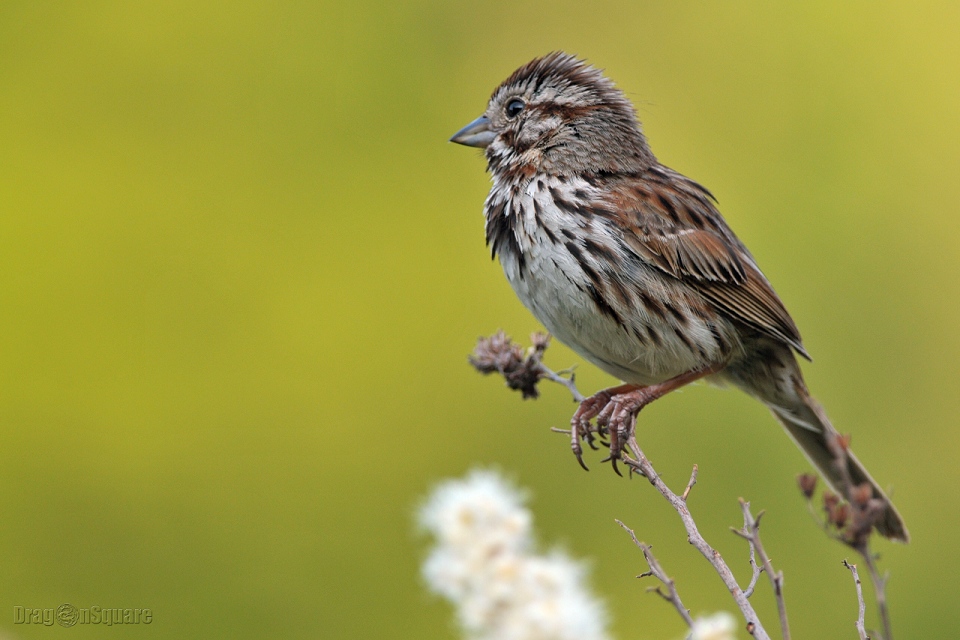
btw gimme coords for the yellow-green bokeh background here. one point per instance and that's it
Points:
(240, 269)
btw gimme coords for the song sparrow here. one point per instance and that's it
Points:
(631, 265)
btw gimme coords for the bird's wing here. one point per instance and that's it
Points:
(670, 222)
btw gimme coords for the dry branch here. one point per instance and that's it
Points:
(861, 628)
(751, 533)
(641, 464)
(850, 521)
(657, 572)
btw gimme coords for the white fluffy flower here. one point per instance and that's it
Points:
(485, 563)
(719, 626)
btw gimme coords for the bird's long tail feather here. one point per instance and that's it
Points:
(776, 380)
(808, 425)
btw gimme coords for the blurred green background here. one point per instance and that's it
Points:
(241, 268)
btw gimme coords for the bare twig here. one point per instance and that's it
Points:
(861, 629)
(548, 374)
(522, 372)
(693, 481)
(751, 533)
(657, 572)
(757, 569)
(639, 463)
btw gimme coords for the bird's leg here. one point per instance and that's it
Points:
(619, 407)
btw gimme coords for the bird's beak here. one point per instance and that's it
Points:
(475, 134)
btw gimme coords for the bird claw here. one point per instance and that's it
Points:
(613, 463)
(579, 455)
(609, 414)
(580, 426)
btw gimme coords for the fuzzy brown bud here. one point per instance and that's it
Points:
(807, 483)
(499, 354)
(540, 341)
(496, 354)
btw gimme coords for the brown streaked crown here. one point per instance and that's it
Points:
(573, 120)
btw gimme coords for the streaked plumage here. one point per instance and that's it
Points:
(627, 261)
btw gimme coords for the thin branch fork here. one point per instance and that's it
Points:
(638, 462)
(523, 370)
(861, 628)
(657, 572)
(548, 374)
(751, 533)
(757, 568)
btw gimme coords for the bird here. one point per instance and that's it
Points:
(631, 265)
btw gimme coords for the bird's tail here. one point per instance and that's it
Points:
(808, 425)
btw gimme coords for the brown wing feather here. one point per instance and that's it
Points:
(672, 224)
(688, 252)
(755, 303)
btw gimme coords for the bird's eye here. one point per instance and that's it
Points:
(514, 107)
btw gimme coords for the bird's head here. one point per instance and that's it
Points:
(558, 115)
